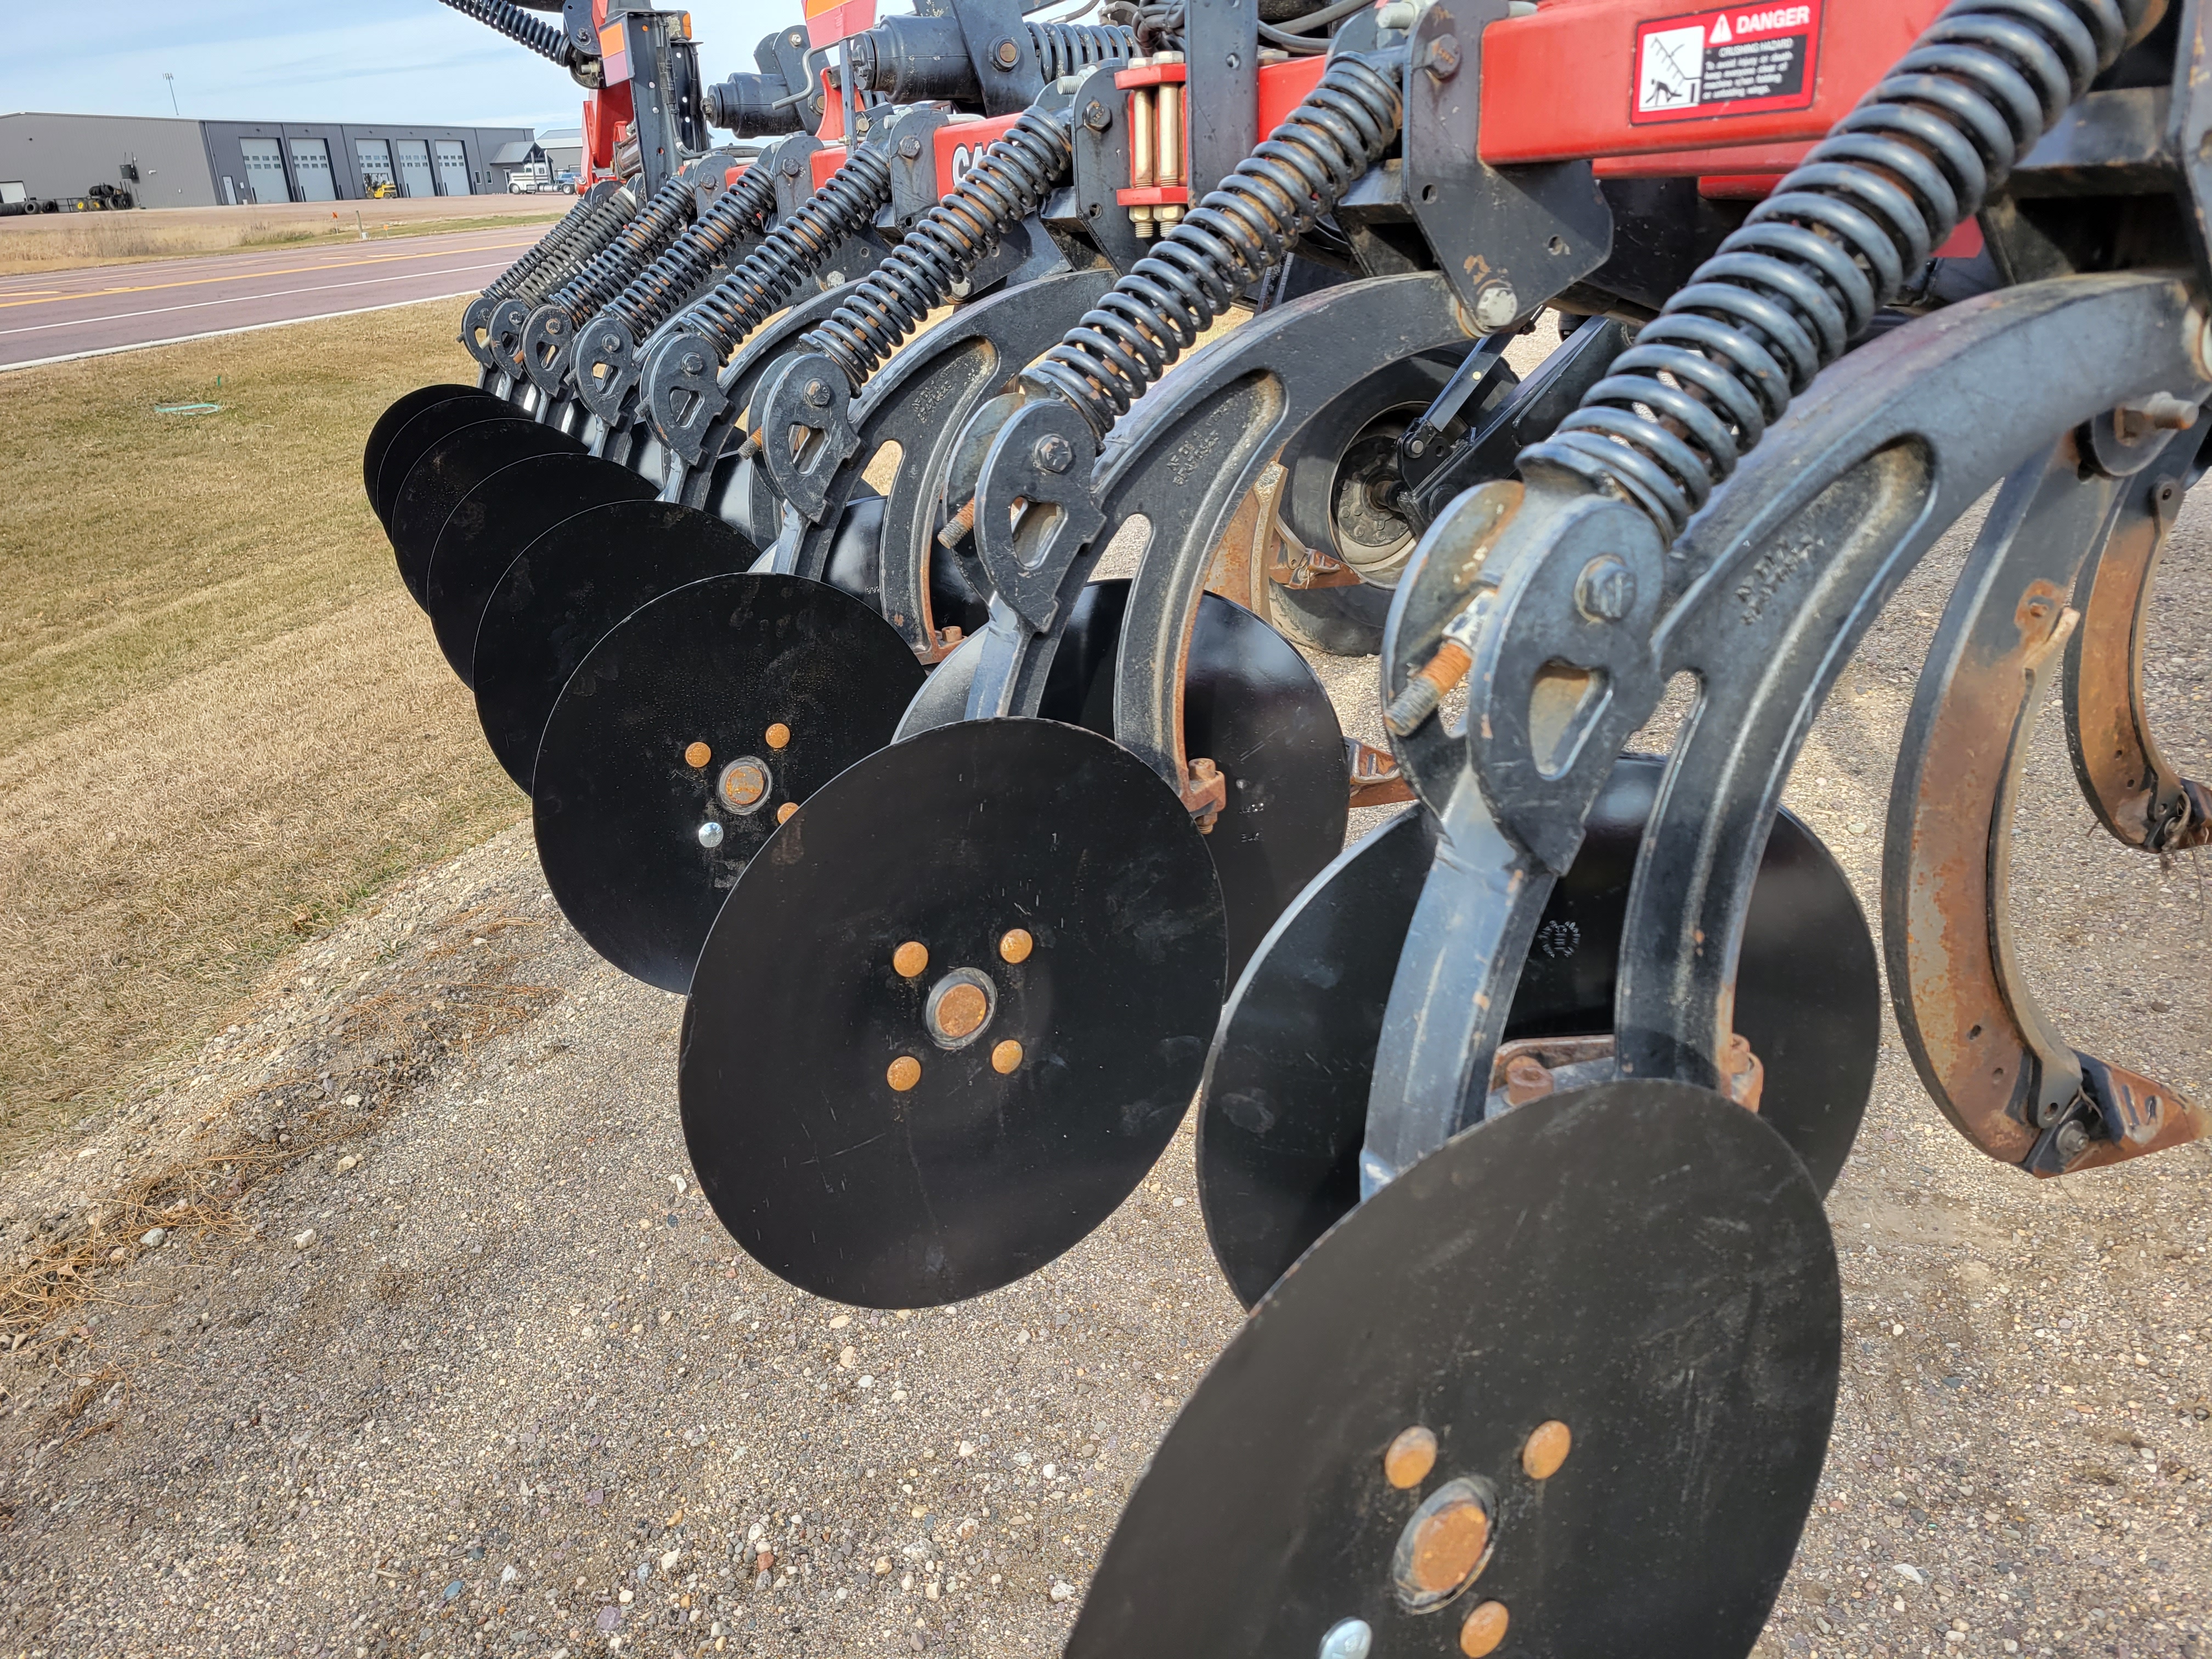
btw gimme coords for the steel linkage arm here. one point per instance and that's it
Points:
(1555, 590)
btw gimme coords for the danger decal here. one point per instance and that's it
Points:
(1744, 60)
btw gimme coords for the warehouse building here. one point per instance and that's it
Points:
(172, 163)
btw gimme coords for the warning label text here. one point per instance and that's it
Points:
(1738, 61)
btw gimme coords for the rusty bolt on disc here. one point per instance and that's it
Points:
(910, 958)
(777, 735)
(1546, 1449)
(1484, 1629)
(743, 784)
(1015, 945)
(783, 812)
(697, 754)
(1443, 1547)
(903, 1073)
(1410, 1458)
(959, 1007)
(1006, 1058)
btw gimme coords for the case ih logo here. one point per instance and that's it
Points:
(1740, 61)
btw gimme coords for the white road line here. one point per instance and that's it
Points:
(218, 333)
(248, 299)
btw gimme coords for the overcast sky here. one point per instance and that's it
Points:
(401, 61)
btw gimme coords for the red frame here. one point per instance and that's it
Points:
(1558, 85)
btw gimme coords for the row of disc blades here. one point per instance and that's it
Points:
(950, 997)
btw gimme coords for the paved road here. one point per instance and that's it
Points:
(53, 315)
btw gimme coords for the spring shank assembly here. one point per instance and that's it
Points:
(549, 335)
(1867, 206)
(679, 371)
(588, 228)
(544, 38)
(606, 360)
(1005, 185)
(1157, 312)
(1574, 567)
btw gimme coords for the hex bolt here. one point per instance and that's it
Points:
(697, 754)
(778, 736)
(1005, 53)
(1097, 116)
(1054, 452)
(902, 1073)
(710, 834)
(1348, 1639)
(1606, 590)
(910, 146)
(1007, 1057)
(1484, 1629)
(694, 364)
(611, 342)
(1442, 59)
(2073, 1141)
(1410, 1457)
(1546, 1449)
(1496, 307)
(817, 394)
(911, 959)
(1015, 945)
(2169, 413)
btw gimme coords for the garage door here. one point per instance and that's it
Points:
(374, 156)
(310, 166)
(453, 168)
(264, 170)
(415, 167)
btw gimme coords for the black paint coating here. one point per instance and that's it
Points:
(1285, 1106)
(492, 525)
(401, 410)
(1646, 1263)
(449, 469)
(563, 593)
(846, 1188)
(619, 809)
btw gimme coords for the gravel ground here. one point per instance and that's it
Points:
(445, 1355)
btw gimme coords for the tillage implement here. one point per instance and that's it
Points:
(895, 548)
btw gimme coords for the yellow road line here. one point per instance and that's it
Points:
(256, 276)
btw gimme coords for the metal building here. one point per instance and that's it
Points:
(204, 163)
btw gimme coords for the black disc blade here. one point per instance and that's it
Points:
(442, 479)
(1254, 705)
(402, 410)
(715, 704)
(1285, 1106)
(565, 591)
(1004, 1151)
(423, 432)
(495, 522)
(1640, 1271)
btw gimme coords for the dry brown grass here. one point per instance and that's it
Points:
(67, 241)
(222, 721)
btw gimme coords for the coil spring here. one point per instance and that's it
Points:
(643, 239)
(1004, 187)
(794, 251)
(1157, 311)
(657, 292)
(593, 222)
(543, 38)
(1064, 48)
(1868, 205)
